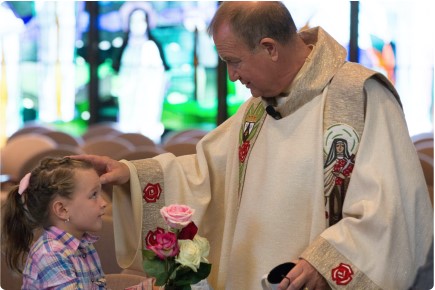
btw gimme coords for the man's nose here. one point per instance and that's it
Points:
(232, 74)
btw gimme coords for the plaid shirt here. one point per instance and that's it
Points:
(57, 260)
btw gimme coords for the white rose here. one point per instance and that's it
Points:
(190, 254)
(204, 247)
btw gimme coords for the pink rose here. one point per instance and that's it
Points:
(166, 245)
(151, 239)
(177, 216)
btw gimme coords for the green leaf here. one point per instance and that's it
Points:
(183, 270)
(203, 271)
(156, 268)
(186, 276)
(173, 287)
(148, 254)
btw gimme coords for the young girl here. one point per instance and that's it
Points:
(63, 197)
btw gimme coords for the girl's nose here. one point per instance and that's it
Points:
(103, 203)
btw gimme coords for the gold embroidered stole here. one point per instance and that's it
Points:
(343, 123)
(251, 126)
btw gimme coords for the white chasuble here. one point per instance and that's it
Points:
(261, 202)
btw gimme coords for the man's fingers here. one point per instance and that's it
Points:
(298, 282)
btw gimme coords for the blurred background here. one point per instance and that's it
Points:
(132, 79)
(71, 64)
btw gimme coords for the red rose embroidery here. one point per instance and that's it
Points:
(152, 192)
(342, 275)
(243, 151)
(151, 239)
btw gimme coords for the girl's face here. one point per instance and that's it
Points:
(87, 205)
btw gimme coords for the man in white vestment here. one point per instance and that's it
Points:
(262, 193)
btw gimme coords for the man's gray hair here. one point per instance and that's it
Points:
(253, 21)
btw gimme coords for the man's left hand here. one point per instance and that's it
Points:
(303, 276)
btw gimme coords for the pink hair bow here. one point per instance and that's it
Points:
(24, 183)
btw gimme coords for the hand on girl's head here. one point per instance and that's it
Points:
(110, 171)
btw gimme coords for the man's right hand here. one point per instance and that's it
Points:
(110, 170)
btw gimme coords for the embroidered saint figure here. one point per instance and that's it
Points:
(338, 168)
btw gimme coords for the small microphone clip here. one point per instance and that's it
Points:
(273, 113)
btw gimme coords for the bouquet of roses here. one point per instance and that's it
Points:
(176, 257)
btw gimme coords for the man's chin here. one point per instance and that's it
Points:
(259, 95)
(255, 94)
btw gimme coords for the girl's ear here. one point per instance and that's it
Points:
(59, 209)
(270, 45)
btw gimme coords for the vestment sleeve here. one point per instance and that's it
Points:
(387, 225)
(167, 179)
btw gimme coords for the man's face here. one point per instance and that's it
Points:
(254, 69)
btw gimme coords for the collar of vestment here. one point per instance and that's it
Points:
(326, 57)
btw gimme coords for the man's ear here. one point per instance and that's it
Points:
(59, 209)
(270, 45)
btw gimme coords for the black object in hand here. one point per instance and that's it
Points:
(276, 275)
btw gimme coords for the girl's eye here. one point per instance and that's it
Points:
(94, 195)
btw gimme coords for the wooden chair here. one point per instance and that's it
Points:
(134, 272)
(422, 137)
(101, 129)
(137, 139)
(141, 152)
(182, 148)
(30, 129)
(20, 149)
(424, 144)
(125, 281)
(107, 146)
(60, 151)
(62, 138)
(191, 135)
